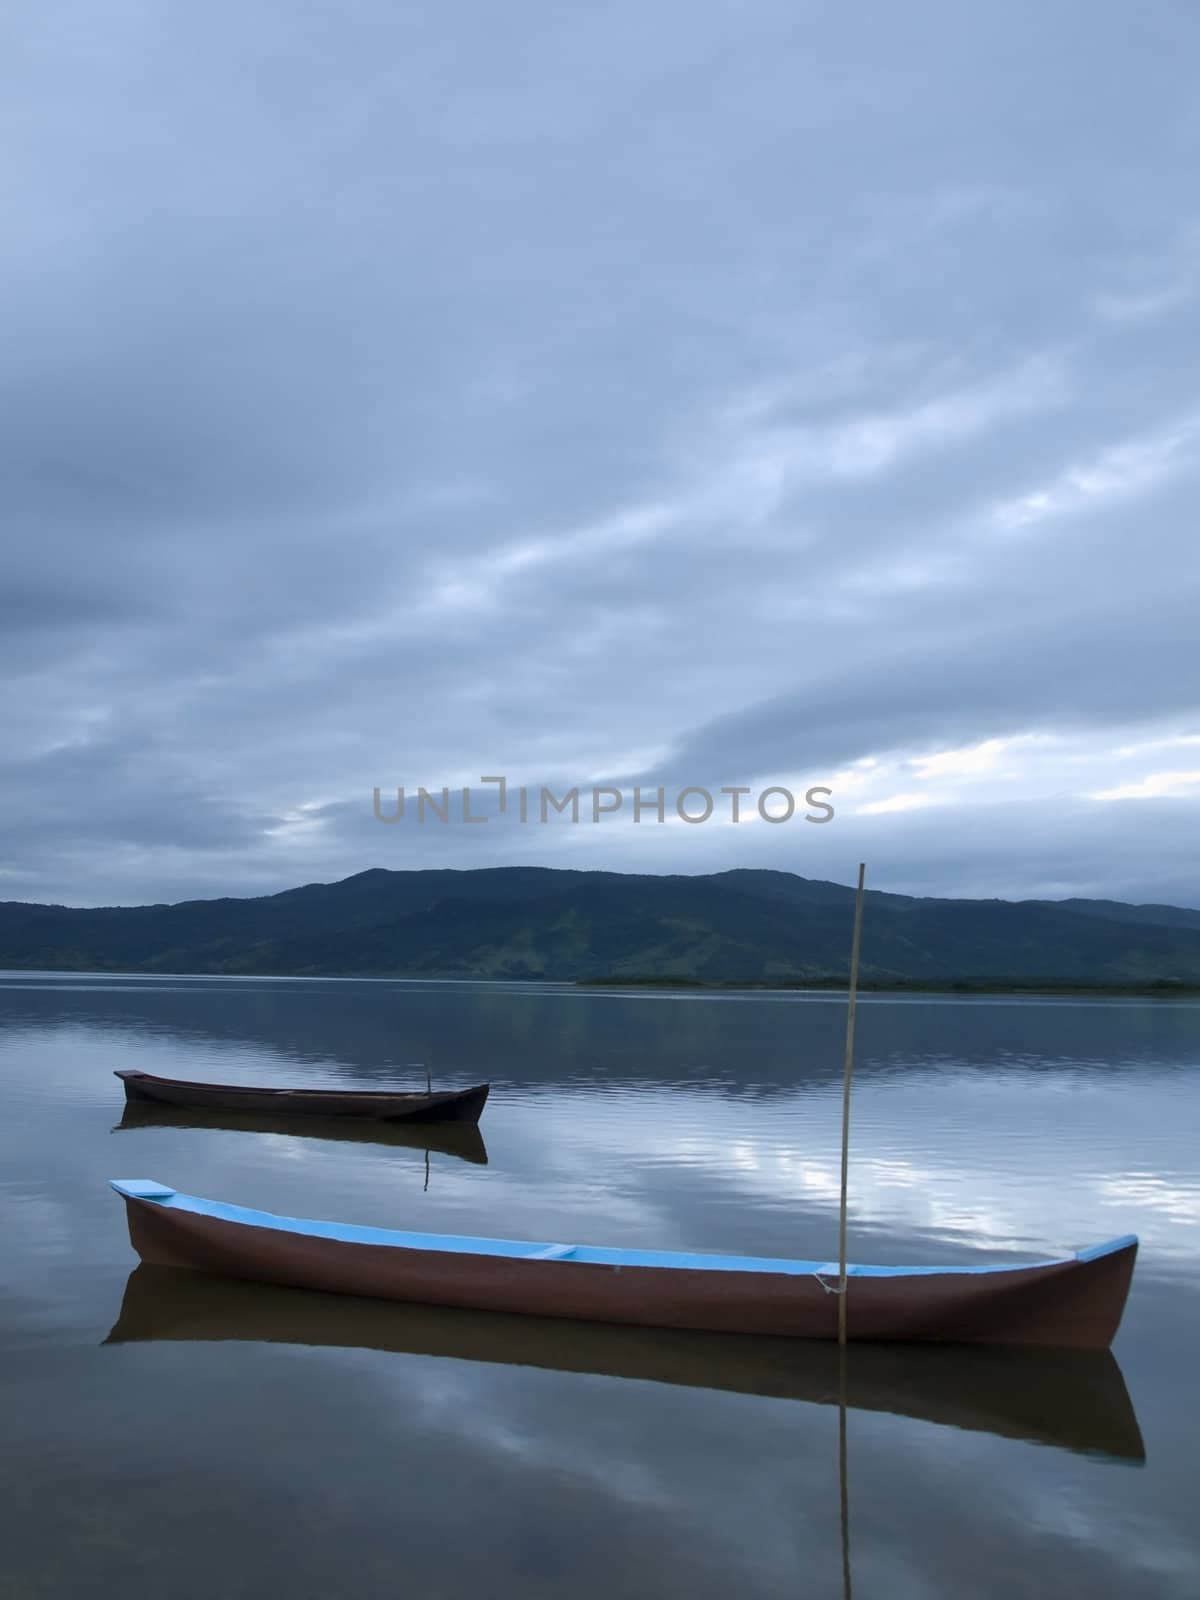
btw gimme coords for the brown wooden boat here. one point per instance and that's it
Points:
(460, 1139)
(1075, 1301)
(1068, 1399)
(447, 1105)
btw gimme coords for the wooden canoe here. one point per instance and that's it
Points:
(460, 1139)
(1068, 1399)
(1073, 1302)
(448, 1105)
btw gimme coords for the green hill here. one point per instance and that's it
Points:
(535, 922)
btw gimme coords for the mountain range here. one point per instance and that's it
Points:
(535, 922)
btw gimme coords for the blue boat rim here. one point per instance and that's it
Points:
(588, 1255)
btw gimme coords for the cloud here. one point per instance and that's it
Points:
(1152, 786)
(1157, 286)
(645, 398)
(1121, 472)
(895, 802)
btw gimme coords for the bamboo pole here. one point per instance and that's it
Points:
(850, 1010)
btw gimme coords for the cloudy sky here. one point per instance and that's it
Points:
(758, 394)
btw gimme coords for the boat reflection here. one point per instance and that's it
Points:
(1070, 1399)
(461, 1139)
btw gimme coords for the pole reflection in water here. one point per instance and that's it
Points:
(843, 1480)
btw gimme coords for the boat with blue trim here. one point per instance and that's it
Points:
(1075, 1301)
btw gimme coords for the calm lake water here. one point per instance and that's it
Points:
(170, 1435)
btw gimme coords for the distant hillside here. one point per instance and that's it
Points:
(535, 922)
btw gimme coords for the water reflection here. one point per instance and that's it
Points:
(758, 1044)
(1072, 1400)
(980, 1128)
(460, 1139)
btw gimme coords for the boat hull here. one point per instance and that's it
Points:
(1075, 1303)
(450, 1105)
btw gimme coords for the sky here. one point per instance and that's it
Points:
(769, 395)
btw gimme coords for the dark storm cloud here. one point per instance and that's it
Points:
(700, 396)
(968, 685)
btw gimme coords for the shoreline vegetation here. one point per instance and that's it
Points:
(1158, 987)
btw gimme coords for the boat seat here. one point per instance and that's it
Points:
(552, 1252)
